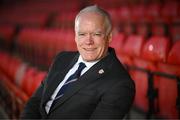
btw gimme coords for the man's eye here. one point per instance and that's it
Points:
(97, 34)
(81, 34)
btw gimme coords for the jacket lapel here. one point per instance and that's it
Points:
(55, 81)
(91, 75)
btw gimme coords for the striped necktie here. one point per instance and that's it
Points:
(72, 78)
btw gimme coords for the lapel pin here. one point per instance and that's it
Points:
(101, 71)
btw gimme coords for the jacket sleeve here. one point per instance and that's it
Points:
(116, 102)
(31, 109)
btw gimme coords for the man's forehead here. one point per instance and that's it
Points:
(90, 15)
(94, 31)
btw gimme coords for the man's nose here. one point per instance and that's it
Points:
(89, 39)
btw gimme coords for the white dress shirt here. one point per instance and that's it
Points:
(71, 71)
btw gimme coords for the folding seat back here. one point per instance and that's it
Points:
(117, 42)
(174, 56)
(175, 31)
(169, 10)
(156, 49)
(138, 12)
(13, 68)
(70, 42)
(125, 59)
(133, 45)
(20, 74)
(53, 43)
(9, 65)
(124, 13)
(153, 11)
(6, 36)
(24, 41)
(27, 80)
(113, 13)
(3, 57)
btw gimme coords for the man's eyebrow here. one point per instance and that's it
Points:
(99, 32)
(81, 32)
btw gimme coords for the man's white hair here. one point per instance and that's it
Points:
(100, 11)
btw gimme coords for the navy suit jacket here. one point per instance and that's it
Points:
(104, 91)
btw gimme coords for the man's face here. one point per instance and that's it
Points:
(91, 39)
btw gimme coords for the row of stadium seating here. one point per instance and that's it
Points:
(154, 65)
(25, 77)
(156, 75)
(12, 98)
(30, 45)
(18, 81)
(155, 49)
(44, 14)
(45, 44)
(36, 13)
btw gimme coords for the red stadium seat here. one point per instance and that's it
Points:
(114, 16)
(174, 56)
(6, 36)
(14, 65)
(124, 13)
(141, 81)
(153, 11)
(175, 32)
(125, 59)
(37, 81)
(117, 42)
(156, 49)
(20, 73)
(133, 45)
(168, 91)
(170, 10)
(14, 98)
(27, 80)
(64, 20)
(69, 40)
(138, 12)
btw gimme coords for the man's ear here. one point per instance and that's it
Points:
(110, 37)
(75, 37)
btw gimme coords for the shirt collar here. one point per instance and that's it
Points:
(88, 64)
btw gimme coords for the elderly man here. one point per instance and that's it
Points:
(88, 84)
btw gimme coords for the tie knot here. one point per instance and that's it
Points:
(81, 66)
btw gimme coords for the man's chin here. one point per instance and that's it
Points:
(89, 59)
